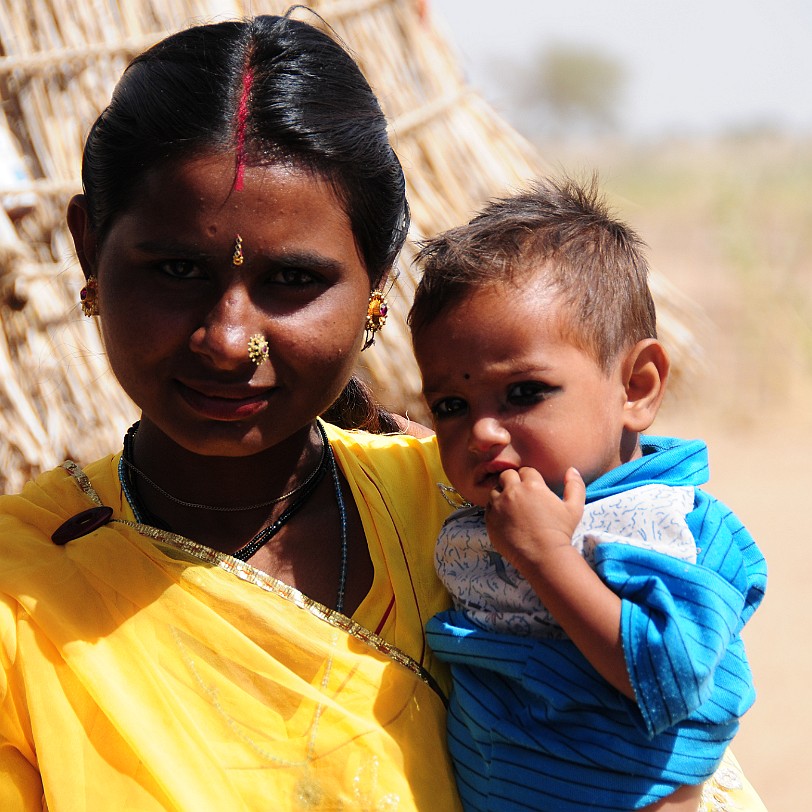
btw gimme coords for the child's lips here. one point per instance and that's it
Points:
(488, 473)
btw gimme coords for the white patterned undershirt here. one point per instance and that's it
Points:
(495, 595)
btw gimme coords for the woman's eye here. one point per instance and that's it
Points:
(526, 393)
(294, 277)
(181, 269)
(447, 407)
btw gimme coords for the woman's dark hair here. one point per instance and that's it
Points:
(356, 408)
(267, 89)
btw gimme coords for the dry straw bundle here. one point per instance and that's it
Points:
(58, 66)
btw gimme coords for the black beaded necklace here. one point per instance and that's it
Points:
(127, 467)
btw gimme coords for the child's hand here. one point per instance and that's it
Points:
(527, 522)
(532, 528)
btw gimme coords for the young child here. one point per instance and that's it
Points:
(598, 592)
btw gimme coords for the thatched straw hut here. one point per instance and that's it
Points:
(58, 66)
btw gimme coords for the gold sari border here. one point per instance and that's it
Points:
(245, 572)
(81, 479)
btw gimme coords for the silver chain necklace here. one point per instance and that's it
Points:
(245, 552)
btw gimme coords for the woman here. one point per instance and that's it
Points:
(242, 203)
(242, 208)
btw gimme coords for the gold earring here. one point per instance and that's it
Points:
(237, 257)
(377, 310)
(89, 297)
(258, 349)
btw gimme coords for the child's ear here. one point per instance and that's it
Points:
(645, 372)
(83, 238)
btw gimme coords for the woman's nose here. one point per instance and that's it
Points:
(226, 329)
(487, 433)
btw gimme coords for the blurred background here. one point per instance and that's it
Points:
(698, 117)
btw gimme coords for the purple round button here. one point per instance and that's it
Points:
(81, 524)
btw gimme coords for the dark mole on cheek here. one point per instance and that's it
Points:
(466, 375)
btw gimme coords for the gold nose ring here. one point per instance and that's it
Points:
(258, 349)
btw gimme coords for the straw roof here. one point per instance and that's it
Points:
(58, 66)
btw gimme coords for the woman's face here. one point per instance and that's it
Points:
(177, 313)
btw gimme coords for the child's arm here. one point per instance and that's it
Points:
(532, 528)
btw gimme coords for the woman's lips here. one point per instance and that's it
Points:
(225, 403)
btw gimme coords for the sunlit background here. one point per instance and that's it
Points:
(698, 117)
(687, 68)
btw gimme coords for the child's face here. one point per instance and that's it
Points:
(507, 390)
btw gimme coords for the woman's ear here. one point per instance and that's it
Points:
(645, 372)
(84, 240)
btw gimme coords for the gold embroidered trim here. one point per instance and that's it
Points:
(252, 575)
(82, 481)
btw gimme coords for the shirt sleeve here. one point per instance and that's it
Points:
(679, 628)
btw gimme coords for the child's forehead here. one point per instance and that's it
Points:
(532, 297)
(528, 289)
(504, 317)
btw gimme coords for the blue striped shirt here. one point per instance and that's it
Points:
(532, 726)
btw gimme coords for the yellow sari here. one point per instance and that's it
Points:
(141, 671)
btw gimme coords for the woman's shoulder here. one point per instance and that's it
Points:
(47, 502)
(396, 476)
(32, 556)
(389, 457)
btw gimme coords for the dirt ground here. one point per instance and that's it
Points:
(762, 472)
(766, 475)
(759, 432)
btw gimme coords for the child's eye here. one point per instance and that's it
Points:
(448, 407)
(181, 269)
(526, 393)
